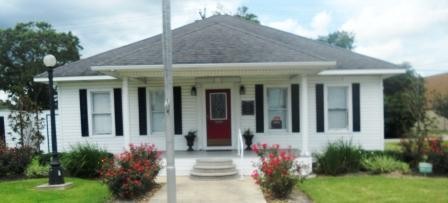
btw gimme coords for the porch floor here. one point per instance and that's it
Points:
(185, 160)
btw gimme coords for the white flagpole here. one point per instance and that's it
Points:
(169, 122)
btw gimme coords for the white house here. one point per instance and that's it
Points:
(229, 74)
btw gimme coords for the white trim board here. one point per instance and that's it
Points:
(363, 72)
(76, 78)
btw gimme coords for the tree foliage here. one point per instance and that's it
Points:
(440, 104)
(404, 104)
(242, 12)
(341, 39)
(22, 49)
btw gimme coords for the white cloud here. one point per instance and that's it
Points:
(318, 25)
(401, 30)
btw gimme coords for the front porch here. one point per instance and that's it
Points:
(238, 83)
(185, 160)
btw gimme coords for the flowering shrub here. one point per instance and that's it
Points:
(132, 173)
(13, 161)
(276, 172)
(437, 154)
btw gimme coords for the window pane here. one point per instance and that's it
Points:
(277, 97)
(102, 124)
(157, 111)
(337, 97)
(337, 119)
(158, 121)
(218, 106)
(277, 119)
(157, 98)
(101, 102)
(277, 107)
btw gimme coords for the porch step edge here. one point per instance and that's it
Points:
(221, 174)
(199, 166)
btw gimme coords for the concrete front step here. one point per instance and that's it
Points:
(214, 175)
(214, 162)
(208, 166)
(214, 168)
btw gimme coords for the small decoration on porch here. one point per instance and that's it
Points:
(190, 137)
(248, 136)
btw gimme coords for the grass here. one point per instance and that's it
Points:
(364, 188)
(81, 191)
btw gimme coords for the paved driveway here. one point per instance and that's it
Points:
(211, 191)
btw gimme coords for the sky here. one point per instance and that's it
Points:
(415, 31)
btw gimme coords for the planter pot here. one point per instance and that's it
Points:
(190, 143)
(248, 141)
(425, 168)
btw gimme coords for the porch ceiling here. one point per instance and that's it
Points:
(222, 69)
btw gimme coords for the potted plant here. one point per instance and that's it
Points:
(248, 136)
(190, 137)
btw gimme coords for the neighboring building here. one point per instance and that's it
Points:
(229, 74)
(437, 84)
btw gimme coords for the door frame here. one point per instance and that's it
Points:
(234, 110)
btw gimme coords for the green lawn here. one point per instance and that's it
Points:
(376, 189)
(25, 191)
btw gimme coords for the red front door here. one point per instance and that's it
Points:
(218, 117)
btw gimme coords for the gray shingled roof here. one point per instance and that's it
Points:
(224, 39)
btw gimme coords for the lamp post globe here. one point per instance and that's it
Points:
(49, 61)
(55, 175)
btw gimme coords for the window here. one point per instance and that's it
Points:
(337, 108)
(157, 110)
(101, 113)
(277, 107)
(218, 106)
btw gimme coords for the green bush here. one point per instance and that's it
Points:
(13, 161)
(84, 160)
(378, 164)
(339, 157)
(36, 170)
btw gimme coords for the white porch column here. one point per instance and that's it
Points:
(305, 160)
(125, 106)
(304, 115)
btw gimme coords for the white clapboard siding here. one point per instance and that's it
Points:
(370, 137)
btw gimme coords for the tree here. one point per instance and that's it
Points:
(22, 49)
(404, 104)
(440, 104)
(341, 39)
(242, 13)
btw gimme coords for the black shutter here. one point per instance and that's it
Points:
(2, 130)
(118, 112)
(356, 107)
(84, 114)
(142, 111)
(259, 110)
(177, 97)
(295, 108)
(320, 108)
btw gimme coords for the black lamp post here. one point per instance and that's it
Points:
(55, 176)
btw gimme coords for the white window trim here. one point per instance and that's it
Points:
(210, 106)
(90, 110)
(149, 112)
(349, 109)
(288, 110)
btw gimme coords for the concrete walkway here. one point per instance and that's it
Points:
(192, 190)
